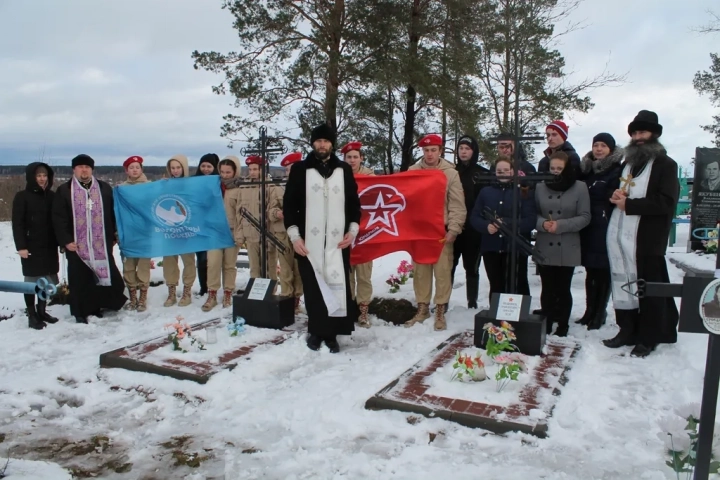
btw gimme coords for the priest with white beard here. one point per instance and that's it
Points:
(321, 209)
(637, 238)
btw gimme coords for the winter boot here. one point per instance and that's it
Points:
(227, 298)
(440, 323)
(202, 277)
(42, 314)
(172, 296)
(422, 314)
(627, 321)
(186, 298)
(211, 301)
(313, 342)
(590, 299)
(332, 344)
(33, 320)
(363, 319)
(472, 286)
(142, 301)
(132, 303)
(602, 297)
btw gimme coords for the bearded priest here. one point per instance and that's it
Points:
(637, 238)
(321, 210)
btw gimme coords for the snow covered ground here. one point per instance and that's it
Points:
(290, 413)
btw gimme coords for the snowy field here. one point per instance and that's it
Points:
(290, 413)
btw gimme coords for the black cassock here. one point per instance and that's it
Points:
(657, 318)
(294, 209)
(86, 296)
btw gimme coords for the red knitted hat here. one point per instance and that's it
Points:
(560, 127)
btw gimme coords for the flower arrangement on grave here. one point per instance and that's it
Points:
(237, 326)
(711, 246)
(405, 270)
(679, 433)
(180, 331)
(510, 365)
(499, 339)
(394, 283)
(160, 263)
(467, 367)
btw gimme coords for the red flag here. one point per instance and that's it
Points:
(401, 212)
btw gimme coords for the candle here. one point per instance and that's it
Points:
(211, 335)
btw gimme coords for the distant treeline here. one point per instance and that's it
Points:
(105, 170)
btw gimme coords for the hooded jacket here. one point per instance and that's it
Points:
(32, 225)
(183, 161)
(544, 165)
(455, 210)
(231, 193)
(213, 160)
(470, 177)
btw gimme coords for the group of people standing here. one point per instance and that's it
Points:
(610, 212)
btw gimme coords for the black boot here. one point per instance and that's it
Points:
(472, 286)
(81, 320)
(642, 351)
(42, 312)
(626, 320)
(602, 297)
(202, 277)
(33, 320)
(590, 298)
(313, 342)
(332, 344)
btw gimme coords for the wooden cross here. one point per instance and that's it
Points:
(627, 182)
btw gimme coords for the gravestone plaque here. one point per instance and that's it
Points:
(706, 193)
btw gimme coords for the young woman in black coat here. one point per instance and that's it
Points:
(208, 166)
(34, 237)
(601, 172)
(495, 247)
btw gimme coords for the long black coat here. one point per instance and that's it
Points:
(499, 198)
(601, 186)
(32, 225)
(294, 210)
(657, 208)
(86, 297)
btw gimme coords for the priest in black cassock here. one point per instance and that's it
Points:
(637, 238)
(321, 210)
(84, 222)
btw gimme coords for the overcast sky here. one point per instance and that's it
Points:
(115, 78)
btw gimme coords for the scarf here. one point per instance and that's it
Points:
(229, 184)
(564, 181)
(589, 163)
(89, 221)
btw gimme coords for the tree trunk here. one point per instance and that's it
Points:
(409, 133)
(391, 130)
(332, 84)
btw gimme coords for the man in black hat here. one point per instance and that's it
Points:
(637, 238)
(321, 210)
(84, 222)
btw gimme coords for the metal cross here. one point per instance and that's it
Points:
(627, 182)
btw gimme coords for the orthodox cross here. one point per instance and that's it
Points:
(264, 147)
(627, 183)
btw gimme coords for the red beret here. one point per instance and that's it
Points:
(291, 158)
(133, 159)
(351, 146)
(254, 159)
(430, 140)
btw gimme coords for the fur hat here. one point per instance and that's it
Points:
(323, 131)
(83, 159)
(645, 120)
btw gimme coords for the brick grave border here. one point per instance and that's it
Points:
(131, 357)
(407, 393)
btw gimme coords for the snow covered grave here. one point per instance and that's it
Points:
(157, 355)
(425, 389)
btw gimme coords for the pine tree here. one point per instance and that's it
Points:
(708, 82)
